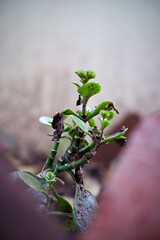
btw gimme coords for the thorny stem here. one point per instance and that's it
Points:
(85, 154)
(70, 166)
(51, 157)
(72, 149)
(87, 149)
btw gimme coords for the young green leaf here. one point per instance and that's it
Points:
(32, 181)
(68, 124)
(67, 129)
(50, 178)
(85, 143)
(96, 110)
(82, 125)
(81, 73)
(84, 209)
(46, 120)
(92, 122)
(65, 137)
(91, 74)
(62, 204)
(104, 123)
(107, 114)
(68, 111)
(76, 84)
(115, 136)
(61, 207)
(89, 89)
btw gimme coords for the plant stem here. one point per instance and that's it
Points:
(87, 149)
(51, 156)
(69, 166)
(85, 100)
(73, 148)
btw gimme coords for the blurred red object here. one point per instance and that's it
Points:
(130, 200)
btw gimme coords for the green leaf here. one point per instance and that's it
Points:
(65, 137)
(81, 73)
(46, 121)
(72, 133)
(91, 74)
(32, 181)
(107, 114)
(68, 111)
(92, 122)
(110, 115)
(62, 204)
(76, 84)
(104, 123)
(96, 110)
(67, 129)
(115, 136)
(49, 134)
(84, 209)
(63, 209)
(85, 143)
(39, 197)
(89, 89)
(121, 138)
(68, 124)
(82, 125)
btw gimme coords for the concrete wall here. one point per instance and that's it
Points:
(43, 42)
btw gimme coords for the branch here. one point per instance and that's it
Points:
(87, 149)
(51, 157)
(114, 136)
(69, 166)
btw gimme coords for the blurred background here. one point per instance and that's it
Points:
(42, 43)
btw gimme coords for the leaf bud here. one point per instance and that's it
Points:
(104, 123)
(107, 114)
(50, 177)
(90, 74)
(92, 122)
(81, 73)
